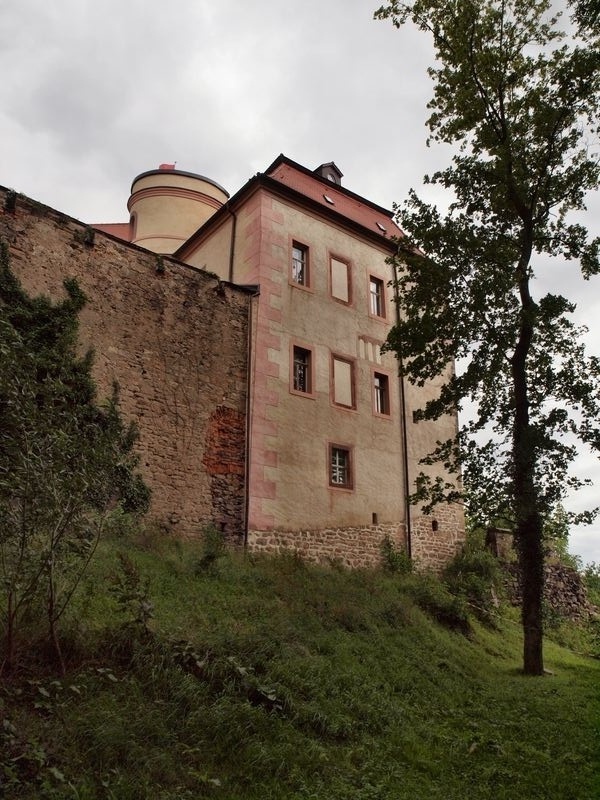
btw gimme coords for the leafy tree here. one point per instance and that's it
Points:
(591, 576)
(587, 14)
(516, 96)
(64, 461)
(556, 538)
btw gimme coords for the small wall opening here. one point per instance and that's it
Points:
(434, 525)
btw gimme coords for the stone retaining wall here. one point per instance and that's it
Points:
(564, 591)
(438, 537)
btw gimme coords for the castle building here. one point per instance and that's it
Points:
(312, 447)
(331, 440)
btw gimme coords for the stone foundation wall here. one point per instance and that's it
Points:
(564, 590)
(175, 340)
(352, 547)
(438, 537)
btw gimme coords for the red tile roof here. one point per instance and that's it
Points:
(122, 230)
(345, 202)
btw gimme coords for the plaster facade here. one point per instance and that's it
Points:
(166, 206)
(332, 319)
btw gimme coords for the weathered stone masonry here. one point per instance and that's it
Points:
(175, 340)
(352, 547)
(436, 538)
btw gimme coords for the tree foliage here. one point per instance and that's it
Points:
(556, 539)
(64, 460)
(587, 15)
(519, 101)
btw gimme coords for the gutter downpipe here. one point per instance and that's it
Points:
(403, 426)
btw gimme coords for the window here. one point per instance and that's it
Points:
(343, 382)
(340, 280)
(376, 297)
(381, 394)
(299, 264)
(340, 466)
(302, 370)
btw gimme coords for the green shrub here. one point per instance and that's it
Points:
(120, 524)
(581, 637)
(394, 560)
(591, 577)
(213, 548)
(475, 576)
(132, 593)
(434, 598)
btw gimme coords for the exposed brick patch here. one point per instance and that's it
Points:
(224, 459)
(224, 451)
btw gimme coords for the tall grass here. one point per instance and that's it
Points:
(269, 678)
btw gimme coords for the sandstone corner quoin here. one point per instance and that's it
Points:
(245, 333)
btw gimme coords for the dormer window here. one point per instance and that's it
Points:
(330, 172)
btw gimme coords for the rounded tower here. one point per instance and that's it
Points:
(167, 205)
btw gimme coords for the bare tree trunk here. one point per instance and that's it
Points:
(528, 519)
(9, 639)
(52, 616)
(531, 559)
(532, 575)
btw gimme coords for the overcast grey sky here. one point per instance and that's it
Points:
(94, 92)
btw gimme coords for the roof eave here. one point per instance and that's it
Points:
(262, 180)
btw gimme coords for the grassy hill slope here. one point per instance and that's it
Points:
(269, 678)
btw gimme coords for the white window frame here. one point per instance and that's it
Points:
(377, 297)
(340, 465)
(300, 262)
(381, 393)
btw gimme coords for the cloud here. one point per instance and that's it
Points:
(221, 88)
